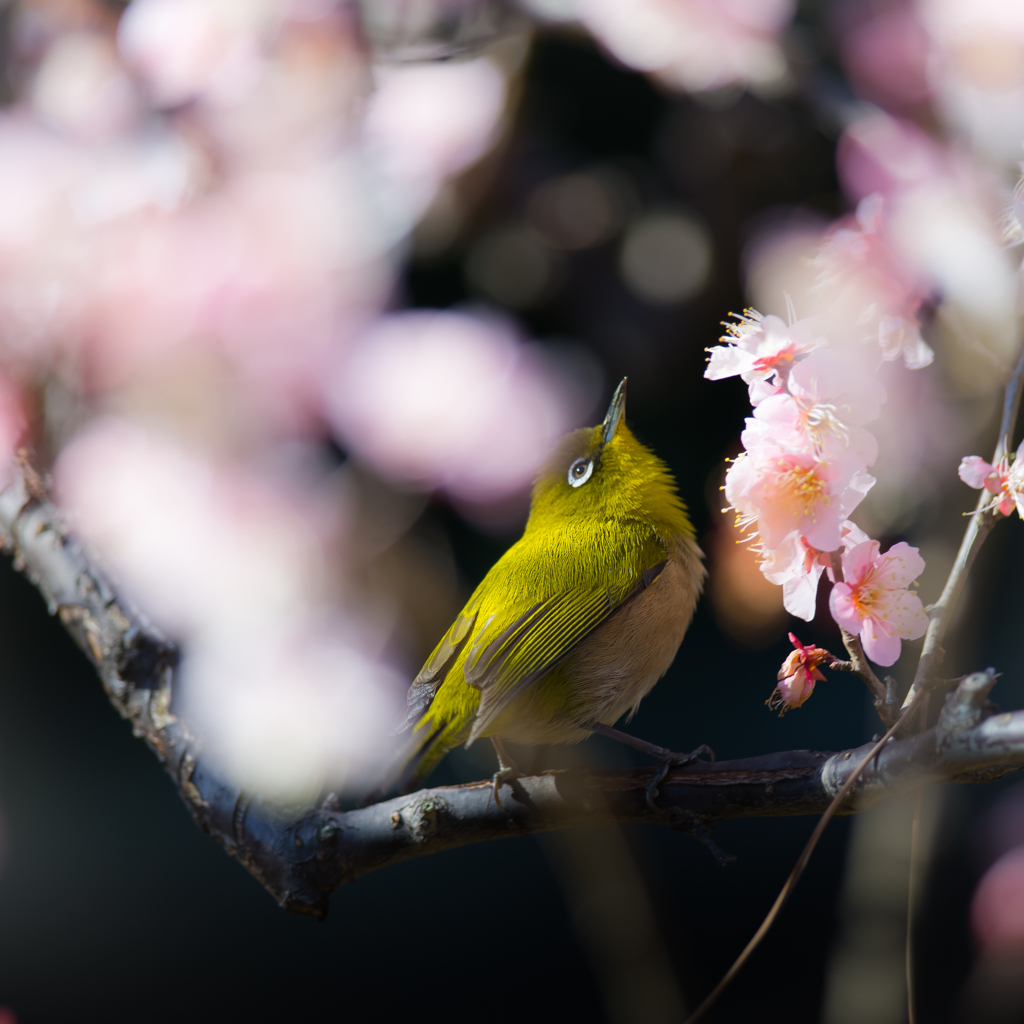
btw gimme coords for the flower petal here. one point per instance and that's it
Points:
(900, 565)
(800, 595)
(880, 645)
(974, 470)
(858, 560)
(843, 608)
(906, 615)
(728, 361)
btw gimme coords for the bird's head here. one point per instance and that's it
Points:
(604, 473)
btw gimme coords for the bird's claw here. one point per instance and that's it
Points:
(669, 759)
(509, 774)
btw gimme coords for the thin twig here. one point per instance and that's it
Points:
(978, 529)
(798, 869)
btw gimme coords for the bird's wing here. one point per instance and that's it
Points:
(506, 659)
(431, 676)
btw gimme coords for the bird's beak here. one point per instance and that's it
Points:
(614, 414)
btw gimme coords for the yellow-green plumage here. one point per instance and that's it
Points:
(579, 618)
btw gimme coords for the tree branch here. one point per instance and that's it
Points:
(978, 529)
(302, 855)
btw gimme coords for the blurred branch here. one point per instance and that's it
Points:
(303, 856)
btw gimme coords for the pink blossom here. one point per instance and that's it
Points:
(441, 399)
(282, 676)
(784, 490)
(798, 675)
(874, 288)
(824, 376)
(873, 599)
(821, 411)
(1005, 480)
(886, 57)
(760, 349)
(797, 567)
(426, 122)
(975, 72)
(997, 908)
(188, 48)
(939, 233)
(693, 44)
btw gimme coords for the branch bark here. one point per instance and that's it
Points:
(302, 855)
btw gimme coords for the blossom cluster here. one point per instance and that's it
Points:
(807, 451)
(203, 207)
(1004, 480)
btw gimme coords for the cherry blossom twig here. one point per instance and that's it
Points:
(978, 528)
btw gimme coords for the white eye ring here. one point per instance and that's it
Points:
(579, 472)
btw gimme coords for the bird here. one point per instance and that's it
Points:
(576, 622)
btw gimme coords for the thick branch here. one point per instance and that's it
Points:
(301, 856)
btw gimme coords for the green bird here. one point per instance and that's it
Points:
(577, 621)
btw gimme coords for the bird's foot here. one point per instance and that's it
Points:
(669, 759)
(508, 772)
(511, 775)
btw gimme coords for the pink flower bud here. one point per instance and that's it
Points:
(798, 675)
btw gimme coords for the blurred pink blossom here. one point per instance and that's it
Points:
(694, 44)
(284, 712)
(183, 49)
(272, 272)
(886, 57)
(425, 123)
(881, 154)
(1005, 480)
(976, 70)
(132, 256)
(940, 230)
(873, 599)
(198, 543)
(288, 689)
(997, 908)
(441, 399)
(81, 88)
(863, 274)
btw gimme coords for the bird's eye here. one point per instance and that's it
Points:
(579, 472)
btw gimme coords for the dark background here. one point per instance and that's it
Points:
(114, 907)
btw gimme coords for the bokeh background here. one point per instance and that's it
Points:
(615, 220)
